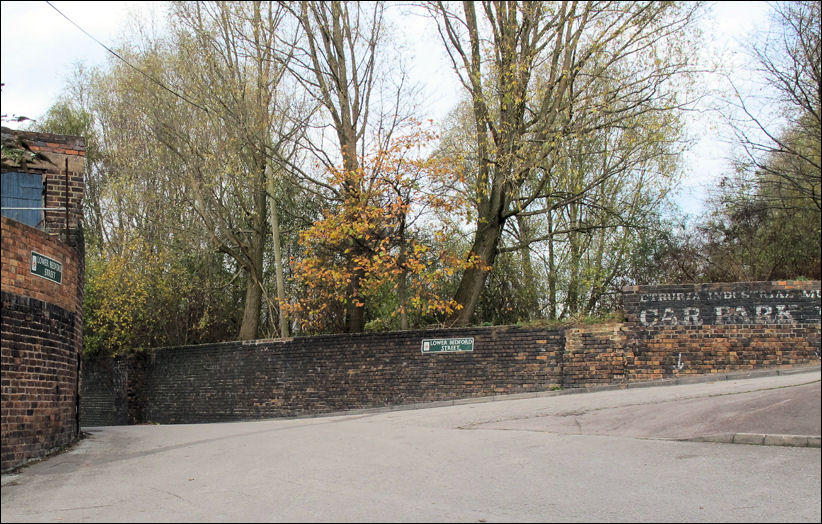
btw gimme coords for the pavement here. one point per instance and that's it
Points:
(676, 450)
(779, 416)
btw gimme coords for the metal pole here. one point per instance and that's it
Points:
(67, 201)
(33, 208)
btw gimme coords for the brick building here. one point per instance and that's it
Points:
(42, 293)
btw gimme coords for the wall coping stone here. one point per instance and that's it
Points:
(341, 336)
(720, 285)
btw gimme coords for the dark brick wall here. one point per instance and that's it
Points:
(104, 393)
(237, 381)
(135, 368)
(40, 377)
(322, 374)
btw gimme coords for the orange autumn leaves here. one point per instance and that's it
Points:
(383, 238)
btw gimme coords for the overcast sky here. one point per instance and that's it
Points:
(40, 49)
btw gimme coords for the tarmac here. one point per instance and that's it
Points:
(740, 447)
(773, 418)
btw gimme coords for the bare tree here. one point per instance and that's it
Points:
(785, 159)
(230, 62)
(531, 91)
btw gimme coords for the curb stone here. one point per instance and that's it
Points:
(761, 439)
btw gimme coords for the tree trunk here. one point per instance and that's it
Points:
(355, 310)
(250, 327)
(552, 270)
(403, 297)
(574, 256)
(486, 240)
(529, 277)
(402, 285)
(278, 257)
(251, 313)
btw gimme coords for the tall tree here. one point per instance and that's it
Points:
(763, 220)
(149, 281)
(528, 68)
(783, 154)
(338, 61)
(230, 64)
(193, 135)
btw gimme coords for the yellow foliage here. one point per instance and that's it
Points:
(365, 244)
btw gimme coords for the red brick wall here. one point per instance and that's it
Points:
(42, 321)
(18, 241)
(594, 355)
(680, 351)
(42, 333)
(694, 329)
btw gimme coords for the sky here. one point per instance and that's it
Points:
(40, 49)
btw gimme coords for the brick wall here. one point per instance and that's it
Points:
(594, 355)
(42, 324)
(40, 362)
(104, 393)
(18, 241)
(331, 373)
(238, 381)
(714, 328)
(42, 333)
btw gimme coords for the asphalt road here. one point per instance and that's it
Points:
(601, 456)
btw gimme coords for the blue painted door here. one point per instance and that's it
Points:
(23, 190)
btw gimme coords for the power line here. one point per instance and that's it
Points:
(127, 62)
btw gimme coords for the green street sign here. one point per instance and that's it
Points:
(447, 345)
(46, 267)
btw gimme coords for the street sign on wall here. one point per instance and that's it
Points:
(447, 345)
(46, 267)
